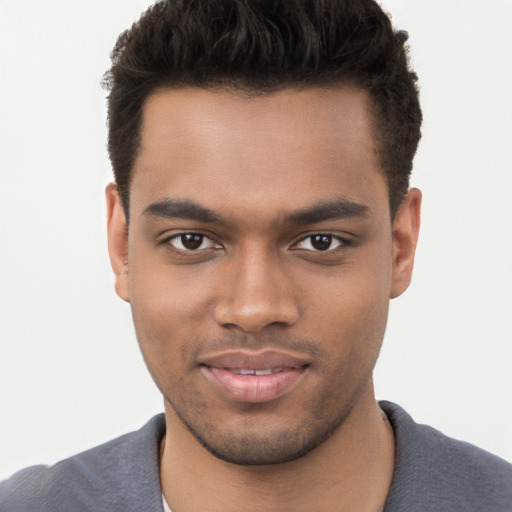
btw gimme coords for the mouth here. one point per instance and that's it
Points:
(254, 377)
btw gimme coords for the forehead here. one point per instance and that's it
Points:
(222, 115)
(219, 145)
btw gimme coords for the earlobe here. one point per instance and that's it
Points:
(117, 241)
(406, 228)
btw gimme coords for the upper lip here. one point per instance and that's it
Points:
(261, 360)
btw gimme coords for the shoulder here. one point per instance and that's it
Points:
(436, 472)
(120, 475)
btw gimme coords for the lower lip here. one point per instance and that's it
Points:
(254, 388)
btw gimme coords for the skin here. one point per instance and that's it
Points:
(257, 283)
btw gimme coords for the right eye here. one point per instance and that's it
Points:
(188, 242)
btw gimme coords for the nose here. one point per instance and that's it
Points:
(256, 293)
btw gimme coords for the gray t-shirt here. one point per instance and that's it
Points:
(433, 473)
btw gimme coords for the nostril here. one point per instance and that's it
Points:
(252, 318)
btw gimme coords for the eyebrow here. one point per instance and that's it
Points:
(340, 208)
(180, 209)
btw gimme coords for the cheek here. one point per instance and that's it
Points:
(176, 293)
(169, 307)
(350, 312)
(357, 328)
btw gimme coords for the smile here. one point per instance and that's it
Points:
(253, 377)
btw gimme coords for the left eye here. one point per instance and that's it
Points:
(319, 242)
(191, 242)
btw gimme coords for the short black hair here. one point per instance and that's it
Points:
(261, 46)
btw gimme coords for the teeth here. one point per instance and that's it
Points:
(267, 371)
(244, 372)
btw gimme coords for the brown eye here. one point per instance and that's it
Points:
(320, 242)
(191, 242)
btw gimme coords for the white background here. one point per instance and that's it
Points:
(71, 375)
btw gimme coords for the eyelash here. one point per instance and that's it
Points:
(339, 242)
(179, 237)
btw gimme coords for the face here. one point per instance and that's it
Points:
(261, 258)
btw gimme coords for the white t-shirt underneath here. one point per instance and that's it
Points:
(166, 505)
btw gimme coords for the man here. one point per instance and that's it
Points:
(260, 222)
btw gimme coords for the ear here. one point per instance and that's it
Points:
(117, 241)
(406, 227)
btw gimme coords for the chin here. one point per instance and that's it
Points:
(252, 447)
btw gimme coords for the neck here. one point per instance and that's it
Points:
(351, 470)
